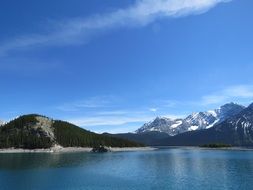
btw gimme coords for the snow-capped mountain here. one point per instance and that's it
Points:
(1, 123)
(201, 120)
(241, 126)
(195, 121)
(236, 131)
(161, 124)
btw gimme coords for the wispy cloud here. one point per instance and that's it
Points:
(88, 103)
(127, 122)
(107, 113)
(153, 109)
(109, 120)
(241, 93)
(79, 31)
(106, 116)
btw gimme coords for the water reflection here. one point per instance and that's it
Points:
(175, 168)
(45, 160)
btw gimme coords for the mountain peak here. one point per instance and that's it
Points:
(229, 110)
(231, 105)
(158, 118)
(251, 106)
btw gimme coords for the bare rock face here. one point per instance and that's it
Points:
(46, 126)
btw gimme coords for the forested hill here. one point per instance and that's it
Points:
(35, 131)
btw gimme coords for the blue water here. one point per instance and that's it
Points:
(174, 168)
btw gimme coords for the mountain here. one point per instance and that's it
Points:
(236, 130)
(36, 131)
(162, 124)
(1, 123)
(195, 121)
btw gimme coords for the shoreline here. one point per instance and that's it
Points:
(208, 148)
(59, 149)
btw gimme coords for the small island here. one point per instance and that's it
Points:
(216, 145)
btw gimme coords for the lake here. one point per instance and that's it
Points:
(171, 168)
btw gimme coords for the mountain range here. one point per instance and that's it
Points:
(236, 131)
(230, 124)
(195, 121)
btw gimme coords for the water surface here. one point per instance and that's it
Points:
(173, 168)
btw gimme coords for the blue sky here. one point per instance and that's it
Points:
(113, 65)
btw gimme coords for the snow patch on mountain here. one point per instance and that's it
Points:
(193, 128)
(214, 123)
(176, 124)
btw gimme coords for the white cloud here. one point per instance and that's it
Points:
(114, 112)
(128, 118)
(89, 103)
(115, 123)
(239, 93)
(102, 115)
(153, 109)
(109, 120)
(79, 31)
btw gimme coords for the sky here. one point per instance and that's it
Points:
(111, 66)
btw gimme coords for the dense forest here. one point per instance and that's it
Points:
(69, 135)
(26, 132)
